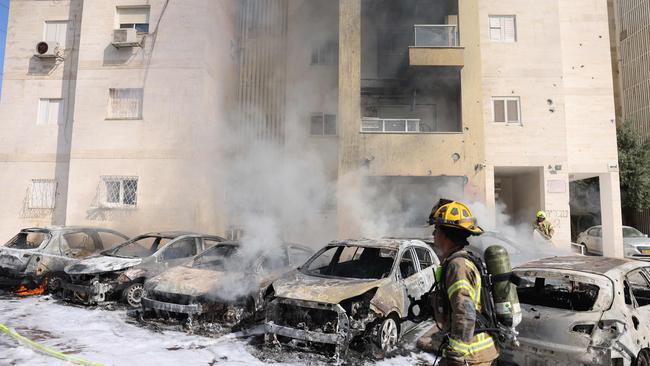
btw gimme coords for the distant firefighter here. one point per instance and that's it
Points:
(543, 225)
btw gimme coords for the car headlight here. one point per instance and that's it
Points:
(631, 250)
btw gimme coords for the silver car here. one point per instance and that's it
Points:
(583, 311)
(637, 244)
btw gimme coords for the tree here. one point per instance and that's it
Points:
(634, 169)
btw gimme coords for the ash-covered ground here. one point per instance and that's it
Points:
(113, 338)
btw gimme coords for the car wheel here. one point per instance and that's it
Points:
(585, 251)
(54, 284)
(388, 335)
(643, 359)
(132, 295)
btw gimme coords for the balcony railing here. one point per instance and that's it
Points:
(390, 125)
(436, 35)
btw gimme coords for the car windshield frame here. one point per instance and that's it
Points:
(305, 267)
(112, 252)
(195, 262)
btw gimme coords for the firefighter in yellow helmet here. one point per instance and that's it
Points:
(457, 299)
(543, 226)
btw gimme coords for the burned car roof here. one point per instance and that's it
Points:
(170, 234)
(599, 265)
(388, 243)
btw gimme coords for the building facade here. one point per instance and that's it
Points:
(630, 35)
(494, 102)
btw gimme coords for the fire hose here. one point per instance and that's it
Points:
(46, 350)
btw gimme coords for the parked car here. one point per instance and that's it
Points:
(583, 311)
(36, 257)
(121, 271)
(351, 292)
(637, 244)
(226, 284)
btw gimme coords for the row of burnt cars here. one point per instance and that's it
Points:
(354, 294)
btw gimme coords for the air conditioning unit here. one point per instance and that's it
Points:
(125, 38)
(47, 49)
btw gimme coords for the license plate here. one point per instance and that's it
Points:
(645, 251)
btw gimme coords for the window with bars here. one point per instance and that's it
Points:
(506, 110)
(325, 53)
(323, 124)
(134, 17)
(50, 111)
(42, 194)
(120, 191)
(503, 28)
(125, 103)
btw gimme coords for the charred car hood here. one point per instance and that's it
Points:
(299, 286)
(197, 282)
(102, 264)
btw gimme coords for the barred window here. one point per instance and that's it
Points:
(42, 194)
(323, 124)
(125, 103)
(120, 191)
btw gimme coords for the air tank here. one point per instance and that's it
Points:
(504, 292)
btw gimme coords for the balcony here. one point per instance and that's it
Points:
(436, 45)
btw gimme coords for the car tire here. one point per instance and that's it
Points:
(643, 359)
(387, 335)
(54, 284)
(132, 295)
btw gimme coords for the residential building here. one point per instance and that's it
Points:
(494, 102)
(630, 32)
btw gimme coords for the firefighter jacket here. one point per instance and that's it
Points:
(545, 228)
(456, 305)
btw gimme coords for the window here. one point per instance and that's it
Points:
(42, 194)
(424, 256)
(503, 28)
(28, 240)
(298, 256)
(639, 286)
(80, 244)
(184, 248)
(56, 31)
(325, 53)
(407, 264)
(391, 125)
(110, 240)
(120, 191)
(125, 103)
(506, 109)
(323, 124)
(134, 17)
(140, 247)
(50, 111)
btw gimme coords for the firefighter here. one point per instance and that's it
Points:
(457, 298)
(543, 226)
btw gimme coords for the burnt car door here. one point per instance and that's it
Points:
(18, 252)
(637, 297)
(72, 246)
(177, 252)
(411, 278)
(428, 263)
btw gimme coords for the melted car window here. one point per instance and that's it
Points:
(140, 247)
(27, 240)
(184, 248)
(81, 244)
(640, 287)
(407, 265)
(559, 293)
(215, 257)
(424, 256)
(353, 262)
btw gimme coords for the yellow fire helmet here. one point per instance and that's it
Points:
(541, 214)
(454, 214)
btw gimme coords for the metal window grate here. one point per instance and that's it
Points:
(390, 125)
(125, 103)
(42, 194)
(119, 191)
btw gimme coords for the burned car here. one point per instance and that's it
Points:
(120, 273)
(354, 292)
(583, 310)
(225, 284)
(34, 259)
